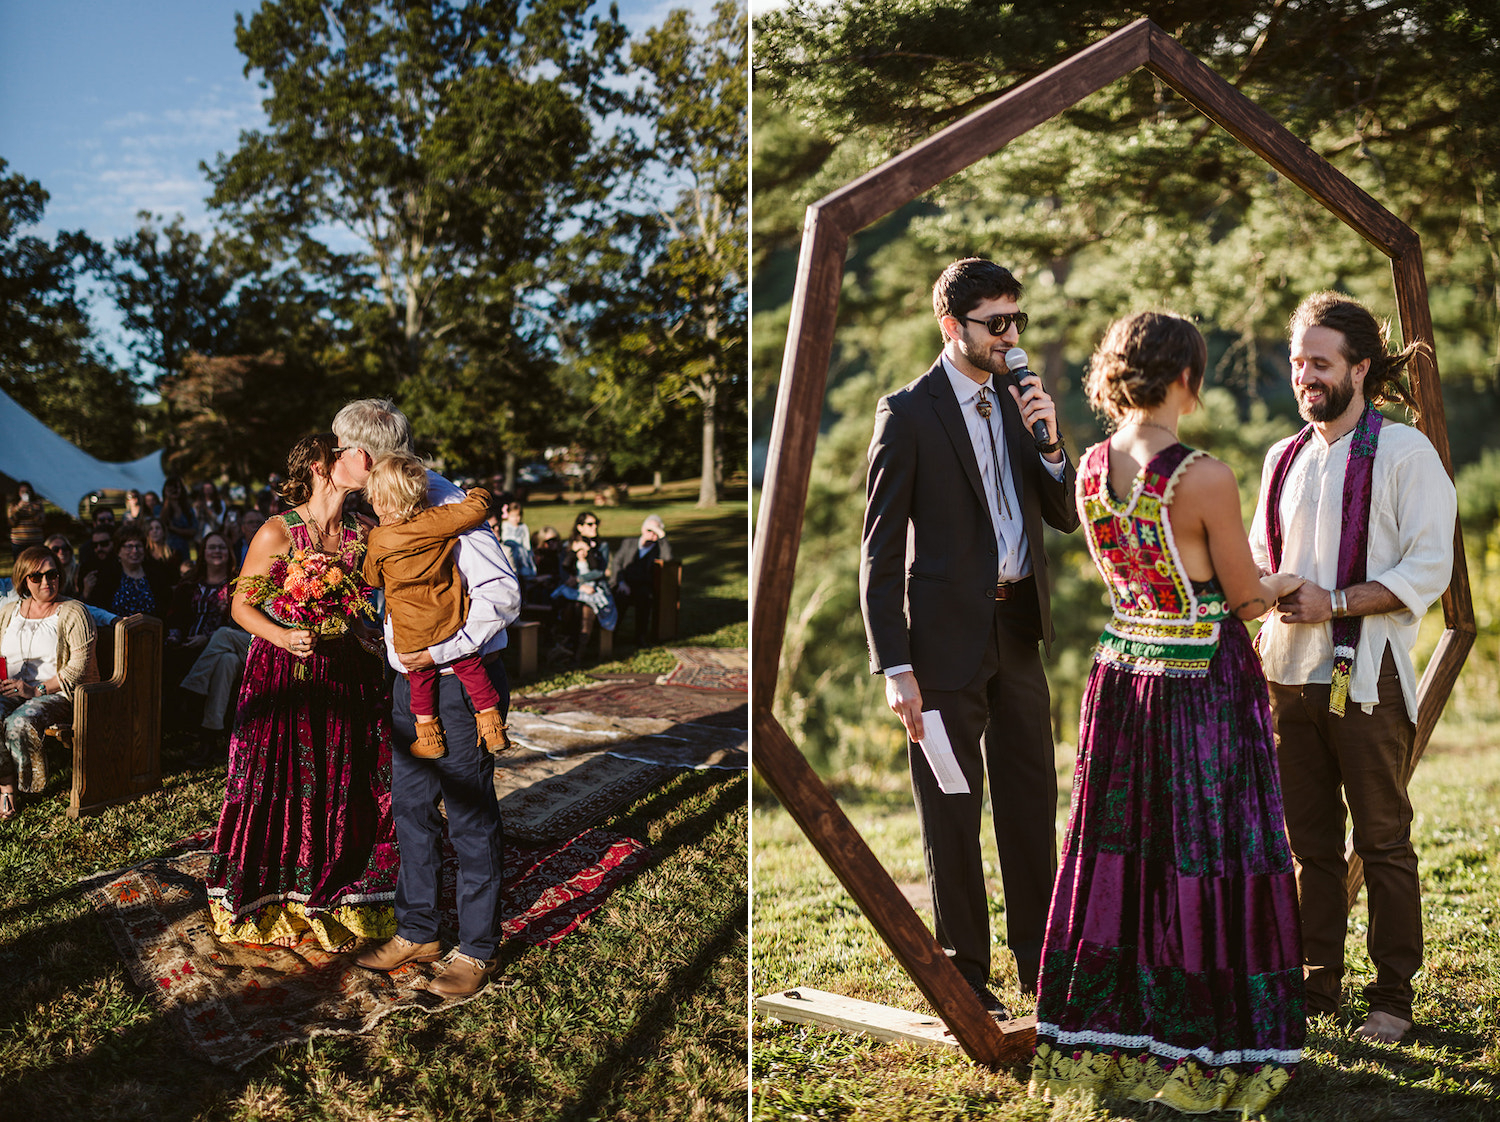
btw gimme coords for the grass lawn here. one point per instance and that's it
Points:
(808, 931)
(638, 1014)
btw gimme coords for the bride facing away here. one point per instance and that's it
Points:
(1172, 968)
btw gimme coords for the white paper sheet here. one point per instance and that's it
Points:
(939, 752)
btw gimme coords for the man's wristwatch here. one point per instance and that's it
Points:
(1048, 449)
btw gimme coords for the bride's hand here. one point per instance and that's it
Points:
(1283, 584)
(299, 643)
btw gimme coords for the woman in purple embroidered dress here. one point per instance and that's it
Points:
(1172, 966)
(305, 840)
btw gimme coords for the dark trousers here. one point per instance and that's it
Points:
(470, 671)
(1000, 726)
(643, 599)
(464, 780)
(1362, 759)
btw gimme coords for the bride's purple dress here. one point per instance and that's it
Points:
(305, 839)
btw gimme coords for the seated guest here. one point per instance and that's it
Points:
(47, 646)
(546, 551)
(98, 551)
(510, 528)
(135, 508)
(515, 538)
(151, 503)
(586, 526)
(571, 596)
(216, 675)
(251, 521)
(131, 582)
(200, 606)
(62, 549)
(630, 574)
(159, 549)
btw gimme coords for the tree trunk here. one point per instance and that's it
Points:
(708, 491)
(510, 471)
(656, 481)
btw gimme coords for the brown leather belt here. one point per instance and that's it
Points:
(1008, 589)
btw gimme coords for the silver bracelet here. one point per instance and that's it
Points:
(1340, 600)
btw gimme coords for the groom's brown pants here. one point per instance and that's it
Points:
(1361, 758)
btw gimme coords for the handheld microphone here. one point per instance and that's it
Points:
(1015, 359)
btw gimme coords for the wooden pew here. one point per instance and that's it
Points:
(666, 582)
(117, 723)
(524, 637)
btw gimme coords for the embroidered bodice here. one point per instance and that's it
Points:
(351, 539)
(1164, 622)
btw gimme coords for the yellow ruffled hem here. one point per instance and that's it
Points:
(289, 922)
(1188, 1087)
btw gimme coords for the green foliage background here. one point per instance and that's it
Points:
(1128, 200)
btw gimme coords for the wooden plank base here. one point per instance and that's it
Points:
(807, 1006)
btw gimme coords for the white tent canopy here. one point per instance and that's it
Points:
(62, 473)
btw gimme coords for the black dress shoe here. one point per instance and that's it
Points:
(991, 1003)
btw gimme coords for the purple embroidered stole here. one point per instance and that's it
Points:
(1354, 540)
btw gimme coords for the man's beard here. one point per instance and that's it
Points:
(1336, 398)
(980, 356)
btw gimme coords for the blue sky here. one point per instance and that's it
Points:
(112, 104)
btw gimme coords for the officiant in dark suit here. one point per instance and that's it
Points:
(955, 593)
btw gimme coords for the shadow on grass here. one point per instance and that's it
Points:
(641, 1044)
(83, 1042)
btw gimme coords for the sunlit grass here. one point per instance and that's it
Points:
(809, 932)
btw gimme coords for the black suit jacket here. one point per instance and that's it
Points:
(929, 559)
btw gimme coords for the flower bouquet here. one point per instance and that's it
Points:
(308, 589)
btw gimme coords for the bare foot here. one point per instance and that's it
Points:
(1382, 1028)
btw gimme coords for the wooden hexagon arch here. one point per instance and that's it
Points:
(799, 401)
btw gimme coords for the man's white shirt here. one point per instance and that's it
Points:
(1413, 506)
(1010, 533)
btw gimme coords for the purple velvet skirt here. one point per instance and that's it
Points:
(1172, 966)
(305, 838)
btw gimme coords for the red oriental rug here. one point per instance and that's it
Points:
(230, 1002)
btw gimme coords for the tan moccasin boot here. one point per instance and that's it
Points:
(492, 731)
(430, 744)
(398, 951)
(461, 977)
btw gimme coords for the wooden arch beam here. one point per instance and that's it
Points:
(799, 401)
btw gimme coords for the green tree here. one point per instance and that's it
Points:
(670, 322)
(173, 291)
(1129, 199)
(50, 363)
(421, 148)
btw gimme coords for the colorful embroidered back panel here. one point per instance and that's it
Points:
(1164, 623)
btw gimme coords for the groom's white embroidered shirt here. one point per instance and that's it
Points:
(1413, 505)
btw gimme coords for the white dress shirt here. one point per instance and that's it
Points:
(1010, 532)
(494, 591)
(1413, 505)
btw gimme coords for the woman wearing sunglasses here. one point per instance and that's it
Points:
(47, 649)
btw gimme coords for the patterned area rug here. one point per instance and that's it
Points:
(232, 1002)
(711, 668)
(586, 752)
(644, 699)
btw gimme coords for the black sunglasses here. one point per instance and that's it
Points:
(999, 325)
(43, 574)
